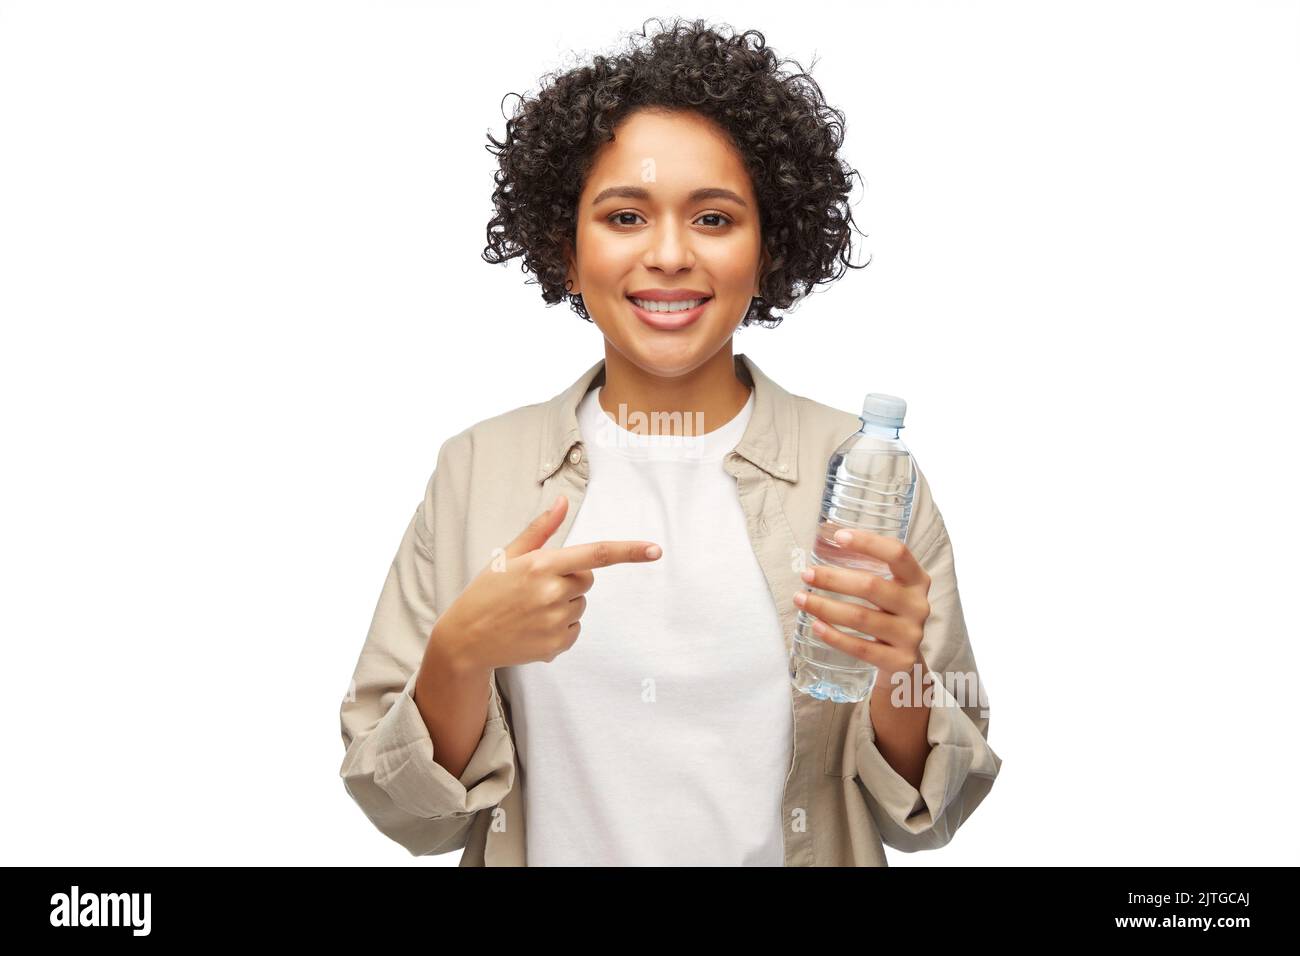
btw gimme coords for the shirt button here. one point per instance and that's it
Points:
(783, 467)
(575, 456)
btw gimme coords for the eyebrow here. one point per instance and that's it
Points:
(636, 192)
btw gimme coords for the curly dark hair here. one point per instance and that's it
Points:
(778, 120)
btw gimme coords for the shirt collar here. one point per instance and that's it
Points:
(770, 441)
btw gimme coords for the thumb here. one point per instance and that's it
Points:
(540, 529)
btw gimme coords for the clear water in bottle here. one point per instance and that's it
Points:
(870, 482)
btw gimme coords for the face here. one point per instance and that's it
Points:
(668, 208)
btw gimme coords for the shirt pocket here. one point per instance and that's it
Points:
(837, 719)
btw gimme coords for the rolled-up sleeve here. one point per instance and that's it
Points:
(388, 765)
(961, 766)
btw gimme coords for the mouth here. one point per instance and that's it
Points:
(666, 320)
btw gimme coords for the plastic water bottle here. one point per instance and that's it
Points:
(870, 481)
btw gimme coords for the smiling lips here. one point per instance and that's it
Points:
(668, 310)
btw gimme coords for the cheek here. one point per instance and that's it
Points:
(603, 263)
(734, 266)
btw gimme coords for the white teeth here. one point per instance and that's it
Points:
(681, 306)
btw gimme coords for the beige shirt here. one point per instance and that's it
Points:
(842, 801)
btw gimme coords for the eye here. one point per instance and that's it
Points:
(726, 220)
(718, 215)
(610, 219)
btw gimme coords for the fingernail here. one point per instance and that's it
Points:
(653, 551)
(843, 537)
(808, 575)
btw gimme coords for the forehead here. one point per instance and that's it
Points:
(666, 153)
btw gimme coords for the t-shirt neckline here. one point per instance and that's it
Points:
(606, 433)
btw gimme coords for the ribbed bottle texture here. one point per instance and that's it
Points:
(870, 483)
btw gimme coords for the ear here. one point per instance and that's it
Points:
(764, 261)
(572, 275)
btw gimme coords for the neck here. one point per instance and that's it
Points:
(693, 403)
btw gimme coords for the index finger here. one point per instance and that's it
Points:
(599, 554)
(902, 563)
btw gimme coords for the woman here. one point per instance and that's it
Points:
(671, 194)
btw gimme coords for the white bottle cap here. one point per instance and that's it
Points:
(882, 409)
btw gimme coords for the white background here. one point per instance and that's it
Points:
(243, 305)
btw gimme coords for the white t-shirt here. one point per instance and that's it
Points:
(664, 735)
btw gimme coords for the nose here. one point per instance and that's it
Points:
(669, 247)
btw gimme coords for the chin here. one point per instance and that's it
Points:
(673, 355)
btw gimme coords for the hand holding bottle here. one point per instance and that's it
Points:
(902, 604)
